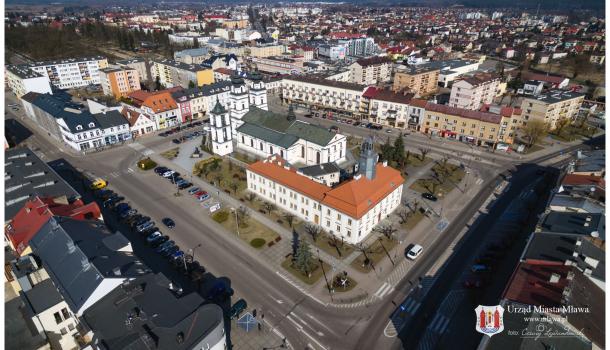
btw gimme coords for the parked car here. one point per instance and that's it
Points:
(221, 290)
(112, 201)
(133, 219)
(168, 252)
(177, 257)
(194, 190)
(98, 184)
(415, 251)
(429, 196)
(474, 282)
(168, 173)
(148, 231)
(128, 213)
(203, 197)
(160, 170)
(185, 185)
(168, 222)
(158, 241)
(144, 226)
(308, 115)
(199, 193)
(150, 238)
(140, 221)
(164, 246)
(237, 308)
(176, 141)
(389, 131)
(480, 268)
(121, 206)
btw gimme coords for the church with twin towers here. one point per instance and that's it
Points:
(246, 125)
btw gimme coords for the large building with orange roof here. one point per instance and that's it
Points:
(160, 106)
(350, 209)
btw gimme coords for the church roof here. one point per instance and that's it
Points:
(281, 131)
(218, 108)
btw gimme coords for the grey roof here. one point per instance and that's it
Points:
(56, 103)
(557, 247)
(66, 61)
(577, 202)
(23, 72)
(27, 176)
(204, 90)
(574, 223)
(279, 130)
(110, 119)
(516, 321)
(145, 314)
(555, 96)
(592, 161)
(445, 65)
(77, 258)
(201, 51)
(180, 65)
(84, 120)
(226, 58)
(320, 169)
(131, 60)
(43, 296)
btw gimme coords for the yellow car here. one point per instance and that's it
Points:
(98, 184)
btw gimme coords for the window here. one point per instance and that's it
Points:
(65, 313)
(338, 216)
(57, 317)
(64, 331)
(338, 228)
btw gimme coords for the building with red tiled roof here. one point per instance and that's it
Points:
(539, 283)
(159, 106)
(349, 210)
(387, 107)
(36, 212)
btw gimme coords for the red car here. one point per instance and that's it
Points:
(199, 193)
(474, 283)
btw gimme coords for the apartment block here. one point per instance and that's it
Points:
(192, 56)
(386, 107)
(482, 128)
(319, 93)
(22, 80)
(172, 73)
(119, 82)
(371, 71)
(552, 106)
(139, 64)
(420, 80)
(473, 91)
(267, 50)
(279, 65)
(71, 73)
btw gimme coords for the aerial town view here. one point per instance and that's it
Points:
(338, 175)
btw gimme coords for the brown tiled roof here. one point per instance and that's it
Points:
(530, 284)
(466, 113)
(418, 102)
(365, 62)
(326, 82)
(354, 197)
(387, 95)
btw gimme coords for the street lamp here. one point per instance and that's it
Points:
(236, 221)
(192, 250)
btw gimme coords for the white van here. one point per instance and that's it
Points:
(414, 252)
(502, 147)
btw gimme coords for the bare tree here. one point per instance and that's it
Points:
(404, 215)
(250, 197)
(366, 251)
(414, 206)
(243, 215)
(269, 207)
(534, 130)
(423, 151)
(234, 185)
(313, 230)
(387, 230)
(561, 124)
(289, 218)
(217, 179)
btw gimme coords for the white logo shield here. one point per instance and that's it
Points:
(490, 319)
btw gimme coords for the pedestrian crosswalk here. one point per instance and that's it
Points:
(479, 181)
(142, 149)
(410, 306)
(383, 290)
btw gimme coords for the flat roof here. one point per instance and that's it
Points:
(555, 96)
(43, 296)
(23, 72)
(575, 223)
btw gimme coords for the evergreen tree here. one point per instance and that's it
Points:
(399, 150)
(304, 258)
(387, 151)
(191, 84)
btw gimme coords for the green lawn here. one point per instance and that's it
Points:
(375, 253)
(171, 154)
(433, 185)
(249, 231)
(315, 274)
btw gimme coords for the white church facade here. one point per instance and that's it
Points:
(248, 126)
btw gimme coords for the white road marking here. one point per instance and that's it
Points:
(383, 290)
(302, 330)
(320, 323)
(130, 170)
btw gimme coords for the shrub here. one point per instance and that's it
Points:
(146, 164)
(278, 238)
(236, 176)
(257, 242)
(279, 221)
(221, 216)
(270, 244)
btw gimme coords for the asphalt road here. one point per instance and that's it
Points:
(304, 322)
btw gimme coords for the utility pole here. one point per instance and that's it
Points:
(325, 278)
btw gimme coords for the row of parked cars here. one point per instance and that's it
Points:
(485, 262)
(180, 128)
(187, 137)
(146, 228)
(173, 177)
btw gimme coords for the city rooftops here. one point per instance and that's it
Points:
(23, 72)
(588, 224)
(448, 65)
(319, 169)
(204, 90)
(311, 79)
(66, 61)
(43, 296)
(150, 313)
(188, 67)
(375, 60)
(26, 176)
(417, 69)
(130, 61)
(539, 283)
(466, 113)
(201, 51)
(556, 96)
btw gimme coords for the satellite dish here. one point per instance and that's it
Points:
(595, 234)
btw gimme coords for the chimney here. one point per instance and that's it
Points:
(554, 278)
(385, 163)
(357, 176)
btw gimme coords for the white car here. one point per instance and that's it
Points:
(414, 252)
(168, 173)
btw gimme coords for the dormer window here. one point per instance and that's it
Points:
(79, 127)
(91, 125)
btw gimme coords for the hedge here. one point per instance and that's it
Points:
(257, 242)
(146, 164)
